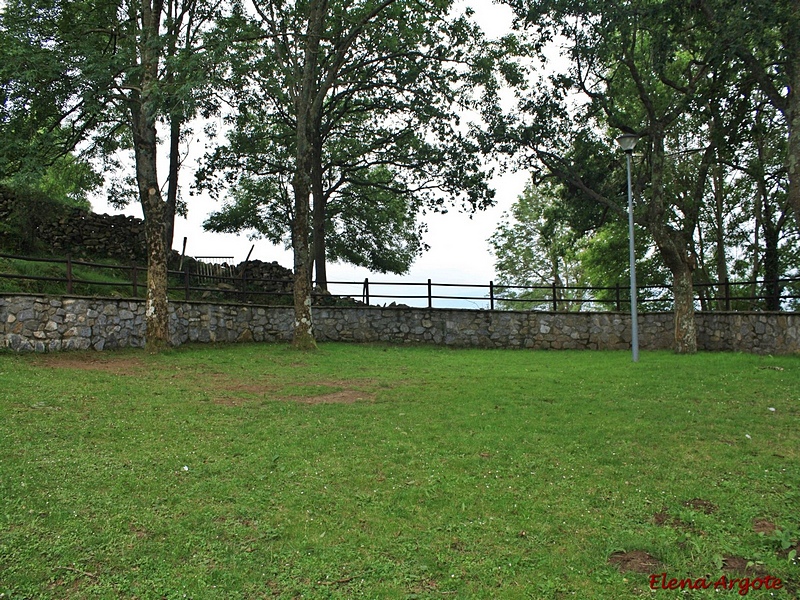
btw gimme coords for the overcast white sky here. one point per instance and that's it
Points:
(459, 252)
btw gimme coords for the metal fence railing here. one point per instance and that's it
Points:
(73, 277)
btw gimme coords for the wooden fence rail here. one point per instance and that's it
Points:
(231, 286)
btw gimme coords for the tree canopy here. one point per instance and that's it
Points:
(660, 71)
(348, 124)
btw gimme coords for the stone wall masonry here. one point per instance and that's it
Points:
(83, 233)
(31, 323)
(86, 233)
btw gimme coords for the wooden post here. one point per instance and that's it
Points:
(365, 291)
(727, 294)
(69, 273)
(186, 281)
(135, 283)
(183, 254)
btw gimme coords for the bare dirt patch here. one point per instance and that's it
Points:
(740, 566)
(636, 561)
(321, 392)
(662, 518)
(763, 526)
(116, 365)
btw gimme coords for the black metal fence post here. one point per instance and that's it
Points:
(555, 297)
(365, 291)
(619, 299)
(430, 294)
(491, 295)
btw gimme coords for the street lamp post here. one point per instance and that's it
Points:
(627, 142)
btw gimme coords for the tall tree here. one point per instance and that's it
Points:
(115, 70)
(639, 68)
(761, 36)
(534, 247)
(361, 99)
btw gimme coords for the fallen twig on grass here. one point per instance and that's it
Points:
(337, 582)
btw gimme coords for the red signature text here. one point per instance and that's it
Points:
(742, 586)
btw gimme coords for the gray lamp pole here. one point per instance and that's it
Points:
(627, 142)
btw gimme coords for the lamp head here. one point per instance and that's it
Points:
(627, 141)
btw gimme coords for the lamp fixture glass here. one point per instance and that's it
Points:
(627, 141)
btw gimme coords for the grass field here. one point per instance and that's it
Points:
(254, 471)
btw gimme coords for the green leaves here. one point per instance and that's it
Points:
(384, 126)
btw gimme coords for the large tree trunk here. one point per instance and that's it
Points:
(675, 249)
(303, 329)
(307, 92)
(156, 312)
(145, 141)
(685, 330)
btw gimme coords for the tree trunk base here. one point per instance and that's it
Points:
(304, 341)
(156, 346)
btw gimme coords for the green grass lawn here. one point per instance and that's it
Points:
(254, 471)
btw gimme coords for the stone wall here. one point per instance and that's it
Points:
(61, 229)
(84, 233)
(44, 324)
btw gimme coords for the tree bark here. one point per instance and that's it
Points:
(156, 312)
(685, 330)
(301, 182)
(303, 328)
(145, 143)
(673, 244)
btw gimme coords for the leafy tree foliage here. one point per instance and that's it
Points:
(534, 247)
(353, 105)
(104, 74)
(658, 70)
(760, 37)
(544, 241)
(69, 180)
